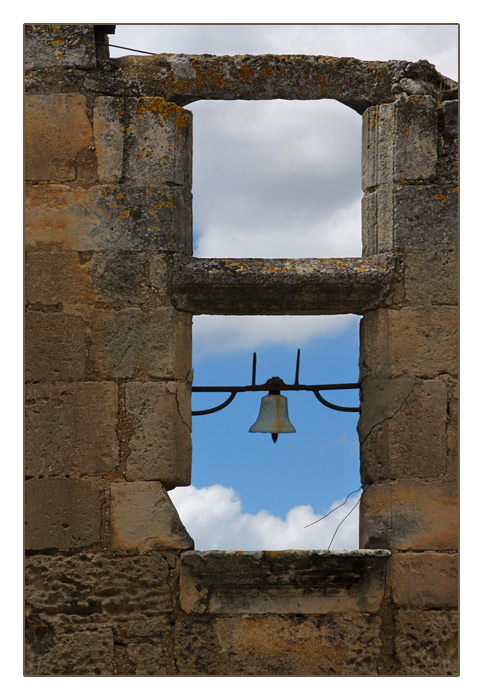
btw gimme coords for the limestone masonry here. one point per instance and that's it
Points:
(113, 586)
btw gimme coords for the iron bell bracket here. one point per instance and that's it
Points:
(274, 385)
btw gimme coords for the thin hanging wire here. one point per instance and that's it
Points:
(100, 43)
(338, 526)
(333, 509)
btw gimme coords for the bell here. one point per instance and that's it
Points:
(273, 417)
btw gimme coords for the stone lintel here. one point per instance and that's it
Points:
(281, 286)
(183, 78)
(312, 581)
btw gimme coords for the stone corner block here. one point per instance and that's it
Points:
(400, 141)
(62, 513)
(159, 418)
(425, 580)
(143, 518)
(57, 130)
(426, 642)
(68, 45)
(410, 515)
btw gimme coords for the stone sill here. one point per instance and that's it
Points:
(289, 581)
(281, 285)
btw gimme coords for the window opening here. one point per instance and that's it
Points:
(276, 178)
(246, 492)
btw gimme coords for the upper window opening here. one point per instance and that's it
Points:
(276, 178)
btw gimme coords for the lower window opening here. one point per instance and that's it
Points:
(248, 493)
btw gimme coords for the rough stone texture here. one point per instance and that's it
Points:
(382, 396)
(282, 581)
(400, 216)
(58, 279)
(66, 45)
(426, 642)
(389, 449)
(159, 416)
(108, 132)
(431, 279)
(280, 286)
(110, 217)
(55, 346)
(186, 78)
(59, 652)
(61, 513)
(418, 342)
(159, 142)
(425, 580)
(57, 130)
(119, 278)
(278, 645)
(132, 342)
(143, 518)
(448, 152)
(408, 515)
(129, 592)
(401, 141)
(452, 455)
(71, 429)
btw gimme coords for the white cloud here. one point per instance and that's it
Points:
(214, 335)
(214, 517)
(276, 179)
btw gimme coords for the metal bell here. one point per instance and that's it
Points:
(273, 417)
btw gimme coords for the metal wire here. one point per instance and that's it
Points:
(333, 509)
(338, 526)
(100, 43)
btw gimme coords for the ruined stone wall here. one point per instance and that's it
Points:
(112, 587)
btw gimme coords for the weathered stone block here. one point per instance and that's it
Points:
(159, 142)
(390, 448)
(144, 519)
(54, 651)
(452, 457)
(158, 274)
(58, 279)
(431, 278)
(61, 513)
(278, 645)
(399, 141)
(282, 582)
(109, 137)
(69, 45)
(150, 657)
(57, 130)
(71, 428)
(159, 416)
(424, 580)
(110, 217)
(119, 278)
(133, 342)
(55, 346)
(130, 592)
(427, 642)
(410, 515)
(405, 217)
(448, 152)
(418, 342)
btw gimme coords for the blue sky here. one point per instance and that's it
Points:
(278, 179)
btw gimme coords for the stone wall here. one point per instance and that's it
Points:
(112, 587)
